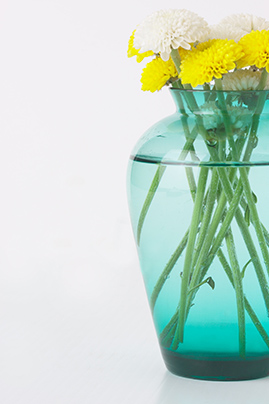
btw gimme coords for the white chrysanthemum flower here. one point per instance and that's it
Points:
(242, 80)
(169, 29)
(213, 118)
(225, 31)
(240, 117)
(246, 22)
(236, 26)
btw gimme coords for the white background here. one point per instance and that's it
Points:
(74, 321)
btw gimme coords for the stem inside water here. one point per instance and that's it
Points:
(215, 208)
(197, 211)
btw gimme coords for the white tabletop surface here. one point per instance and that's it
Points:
(60, 344)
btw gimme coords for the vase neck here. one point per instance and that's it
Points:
(181, 97)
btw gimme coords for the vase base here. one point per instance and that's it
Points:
(219, 369)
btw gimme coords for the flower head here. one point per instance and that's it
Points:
(209, 60)
(236, 26)
(242, 80)
(225, 31)
(246, 22)
(132, 51)
(157, 73)
(213, 117)
(256, 50)
(169, 29)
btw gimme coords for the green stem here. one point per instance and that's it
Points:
(167, 270)
(197, 211)
(244, 177)
(210, 200)
(238, 286)
(248, 307)
(217, 250)
(263, 80)
(170, 328)
(167, 339)
(188, 147)
(234, 200)
(229, 194)
(171, 263)
(152, 190)
(244, 205)
(207, 215)
(191, 181)
(176, 59)
(255, 218)
(207, 234)
(210, 248)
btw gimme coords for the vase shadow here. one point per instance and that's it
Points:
(179, 390)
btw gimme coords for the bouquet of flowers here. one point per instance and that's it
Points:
(184, 52)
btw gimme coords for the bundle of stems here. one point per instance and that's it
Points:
(222, 195)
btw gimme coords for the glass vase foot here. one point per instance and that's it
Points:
(219, 369)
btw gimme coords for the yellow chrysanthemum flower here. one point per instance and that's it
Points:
(209, 60)
(256, 50)
(132, 51)
(156, 74)
(183, 52)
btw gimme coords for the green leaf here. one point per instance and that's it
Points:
(208, 280)
(245, 267)
(247, 215)
(254, 197)
(211, 282)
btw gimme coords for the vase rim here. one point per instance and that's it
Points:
(202, 90)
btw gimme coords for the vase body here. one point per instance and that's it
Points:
(205, 272)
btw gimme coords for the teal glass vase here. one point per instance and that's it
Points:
(198, 196)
